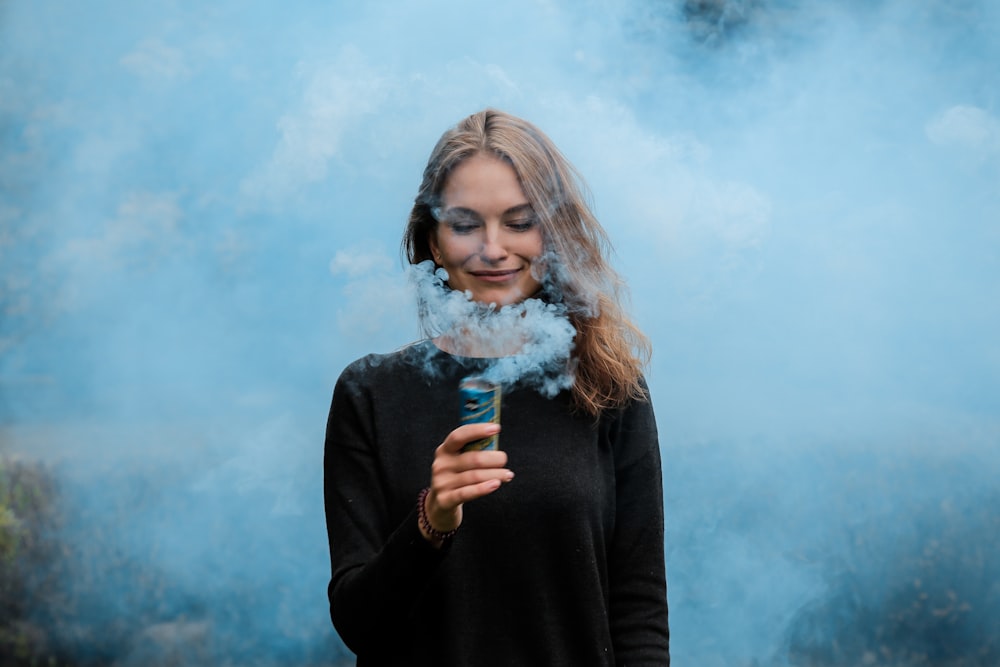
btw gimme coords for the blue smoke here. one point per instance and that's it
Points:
(200, 210)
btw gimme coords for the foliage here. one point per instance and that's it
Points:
(128, 567)
(27, 517)
(922, 591)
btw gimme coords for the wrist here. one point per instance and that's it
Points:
(429, 532)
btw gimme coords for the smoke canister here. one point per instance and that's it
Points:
(480, 403)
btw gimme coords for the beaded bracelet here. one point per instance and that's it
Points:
(425, 523)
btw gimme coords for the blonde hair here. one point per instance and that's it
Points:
(610, 351)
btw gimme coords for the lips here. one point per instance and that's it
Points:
(495, 276)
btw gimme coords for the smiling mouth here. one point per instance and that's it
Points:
(495, 276)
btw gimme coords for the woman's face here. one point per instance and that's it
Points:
(487, 237)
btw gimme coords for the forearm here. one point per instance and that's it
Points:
(367, 597)
(639, 626)
(640, 629)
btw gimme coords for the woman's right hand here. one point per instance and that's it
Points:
(458, 477)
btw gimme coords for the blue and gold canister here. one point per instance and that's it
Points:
(480, 403)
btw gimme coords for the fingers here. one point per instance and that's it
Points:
(448, 500)
(457, 488)
(444, 504)
(453, 468)
(445, 461)
(459, 477)
(467, 433)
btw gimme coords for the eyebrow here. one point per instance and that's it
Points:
(513, 210)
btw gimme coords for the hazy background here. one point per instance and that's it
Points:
(200, 211)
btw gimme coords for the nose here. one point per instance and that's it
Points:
(493, 250)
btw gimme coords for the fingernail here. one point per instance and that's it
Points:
(493, 428)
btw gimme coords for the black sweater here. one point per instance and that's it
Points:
(563, 566)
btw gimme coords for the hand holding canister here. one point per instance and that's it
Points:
(468, 464)
(458, 476)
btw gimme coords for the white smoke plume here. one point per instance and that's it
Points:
(540, 334)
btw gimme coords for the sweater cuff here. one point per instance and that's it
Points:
(414, 551)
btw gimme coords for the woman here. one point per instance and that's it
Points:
(562, 564)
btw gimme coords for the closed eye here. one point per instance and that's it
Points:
(521, 224)
(463, 225)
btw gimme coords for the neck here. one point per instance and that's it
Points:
(475, 342)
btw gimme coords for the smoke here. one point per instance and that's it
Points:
(966, 127)
(530, 341)
(199, 211)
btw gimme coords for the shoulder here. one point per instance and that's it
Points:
(633, 406)
(634, 422)
(372, 370)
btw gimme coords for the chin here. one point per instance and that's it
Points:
(500, 300)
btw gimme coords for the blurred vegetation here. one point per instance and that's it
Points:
(27, 520)
(82, 578)
(912, 591)
(910, 559)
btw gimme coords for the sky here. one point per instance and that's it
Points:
(201, 206)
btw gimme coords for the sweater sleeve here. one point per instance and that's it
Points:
(378, 569)
(638, 601)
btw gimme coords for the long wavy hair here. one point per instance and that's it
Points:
(610, 351)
